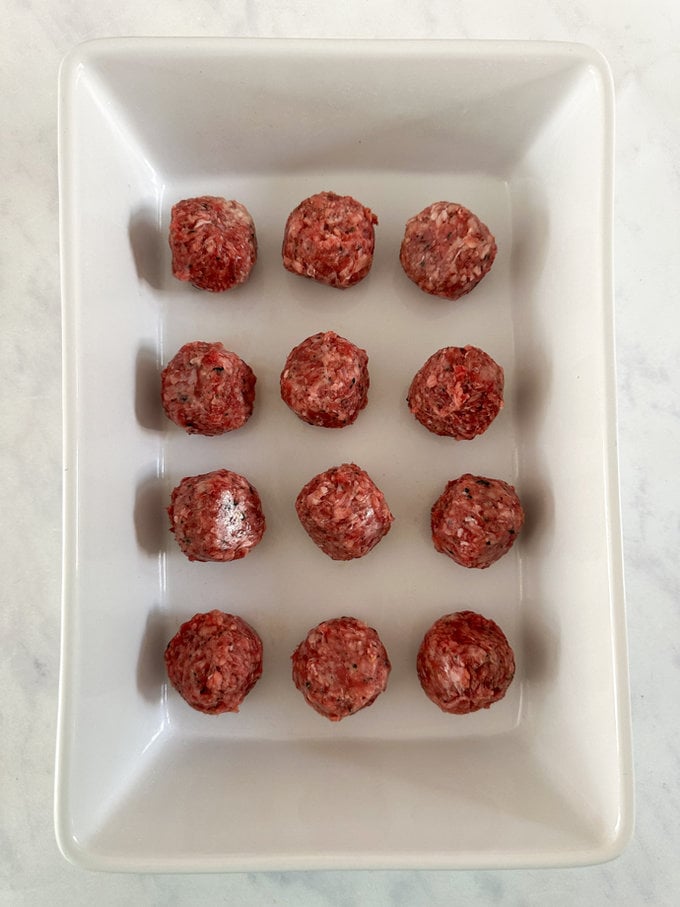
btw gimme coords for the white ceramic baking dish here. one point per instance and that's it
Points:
(522, 134)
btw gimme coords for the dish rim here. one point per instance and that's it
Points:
(466, 49)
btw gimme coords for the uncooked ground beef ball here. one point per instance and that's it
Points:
(330, 238)
(216, 517)
(446, 250)
(465, 663)
(325, 380)
(458, 392)
(213, 661)
(476, 520)
(344, 512)
(341, 667)
(207, 390)
(213, 243)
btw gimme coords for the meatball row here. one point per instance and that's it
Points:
(464, 664)
(218, 516)
(208, 390)
(329, 238)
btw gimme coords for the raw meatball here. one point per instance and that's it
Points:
(344, 512)
(458, 392)
(476, 520)
(207, 390)
(446, 250)
(330, 238)
(325, 380)
(213, 661)
(465, 663)
(216, 517)
(213, 243)
(341, 667)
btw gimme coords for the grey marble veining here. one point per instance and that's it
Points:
(640, 40)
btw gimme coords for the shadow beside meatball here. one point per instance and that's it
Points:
(146, 243)
(539, 645)
(538, 503)
(151, 519)
(148, 408)
(150, 664)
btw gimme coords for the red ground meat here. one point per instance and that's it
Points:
(216, 517)
(344, 512)
(325, 380)
(476, 520)
(458, 392)
(330, 238)
(465, 663)
(213, 243)
(213, 661)
(446, 250)
(341, 667)
(207, 390)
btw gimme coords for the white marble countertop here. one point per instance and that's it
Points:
(641, 42)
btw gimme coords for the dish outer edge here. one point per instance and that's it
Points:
(462, 47)
(623, 832)
(66, 86)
